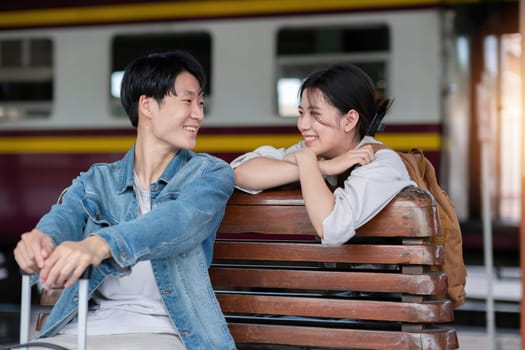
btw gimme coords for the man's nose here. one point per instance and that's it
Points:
(198, 112)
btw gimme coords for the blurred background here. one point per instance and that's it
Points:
(453, 68)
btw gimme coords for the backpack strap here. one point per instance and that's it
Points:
(423, 165)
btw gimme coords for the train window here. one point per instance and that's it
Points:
(302, 50)
(40, 53)
(11, 53)
(26, 75)
(127, 47)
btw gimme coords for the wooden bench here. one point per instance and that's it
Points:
(278, 285)
(280, 288)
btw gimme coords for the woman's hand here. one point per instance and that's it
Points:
(300, 155)
(291, 157)
(69, 260)
(338, 165)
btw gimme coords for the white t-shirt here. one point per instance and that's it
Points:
(368, 190)
(129, 304)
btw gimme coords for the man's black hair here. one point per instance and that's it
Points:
(154, 76)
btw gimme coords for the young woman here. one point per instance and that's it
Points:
(338, 106)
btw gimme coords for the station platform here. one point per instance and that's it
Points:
(476, 339)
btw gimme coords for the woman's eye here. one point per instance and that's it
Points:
(318, 118)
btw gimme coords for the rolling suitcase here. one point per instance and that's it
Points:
(25, 316)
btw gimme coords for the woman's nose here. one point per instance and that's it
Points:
(303, 123)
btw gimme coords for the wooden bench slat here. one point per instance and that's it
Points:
(398, 222)
(361, 254)
(402, 222)
(251, 219)
(434, 311)
(410, 214)
(427, 284)
(343, 338)
(49, 297)
(282, 197)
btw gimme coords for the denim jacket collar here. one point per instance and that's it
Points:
(128, 165)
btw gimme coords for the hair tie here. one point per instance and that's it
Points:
(376, 124)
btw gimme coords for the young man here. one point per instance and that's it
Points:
(147, 224)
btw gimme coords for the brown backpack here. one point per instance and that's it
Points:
(423, 174)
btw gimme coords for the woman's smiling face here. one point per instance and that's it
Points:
(323, 126)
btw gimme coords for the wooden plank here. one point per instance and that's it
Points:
(278, 196)
(430, 284)
(291, 220)
(343, 338)
(50, 297)
(411, 213)
(427, 312)
(396, 221)
(312, 252)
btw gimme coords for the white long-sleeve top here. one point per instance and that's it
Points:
(365, 193)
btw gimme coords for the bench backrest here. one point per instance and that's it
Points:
(278, 285)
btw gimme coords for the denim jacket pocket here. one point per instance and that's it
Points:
(98, 216)
(166, 196)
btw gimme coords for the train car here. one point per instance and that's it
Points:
(60, 65)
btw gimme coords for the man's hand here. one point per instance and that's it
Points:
(32, 250)
(69, 260)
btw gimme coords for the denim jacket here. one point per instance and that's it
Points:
(177, 236)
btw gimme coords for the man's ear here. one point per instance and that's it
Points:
(351, 118)
(145, 106)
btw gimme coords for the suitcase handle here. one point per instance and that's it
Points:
(83, 289)
(25, 313)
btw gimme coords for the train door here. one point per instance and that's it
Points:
(499, 121)
(490, 34)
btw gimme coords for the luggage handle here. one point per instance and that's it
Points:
(83, 288)
(25, 312)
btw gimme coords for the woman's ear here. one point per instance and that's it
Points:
(351, 119)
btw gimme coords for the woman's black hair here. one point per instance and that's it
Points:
(154, 76)
(348, 87)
